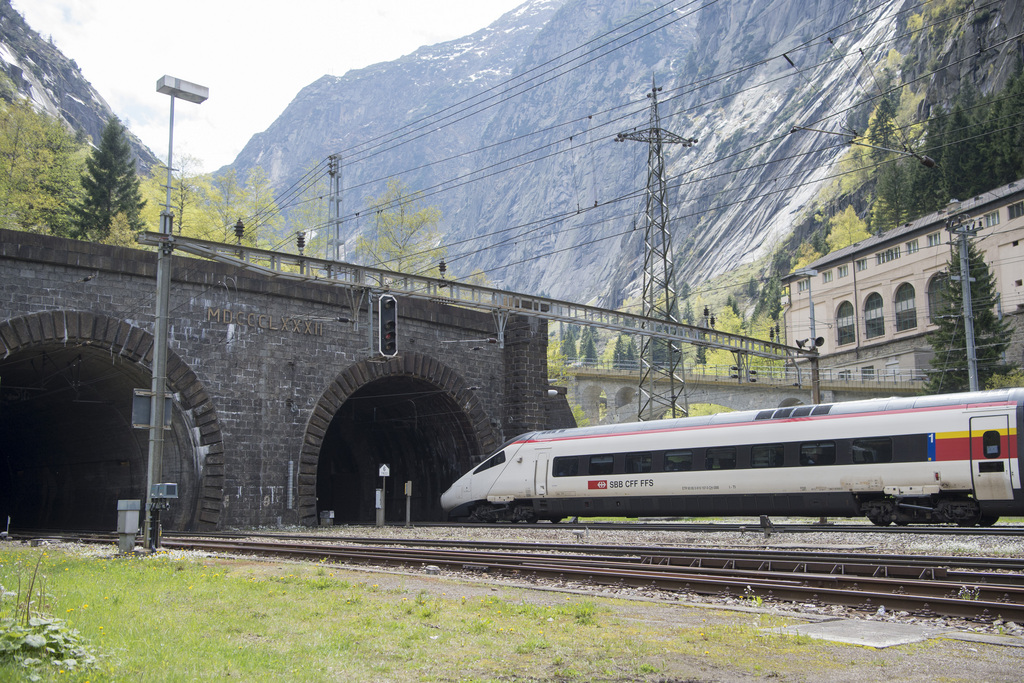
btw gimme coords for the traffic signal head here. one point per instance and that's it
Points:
(388, 341)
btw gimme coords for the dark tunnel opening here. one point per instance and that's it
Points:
(409, 424)
(68, 451)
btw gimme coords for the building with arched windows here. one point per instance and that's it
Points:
(873, 302)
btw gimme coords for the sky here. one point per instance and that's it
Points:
(253, 55)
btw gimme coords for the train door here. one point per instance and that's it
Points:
(540, 472)
(990, 457)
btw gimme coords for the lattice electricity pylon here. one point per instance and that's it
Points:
(335, 242)
(661, 382)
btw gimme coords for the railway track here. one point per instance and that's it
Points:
(971, 588)
(976, 588)
(752, 527)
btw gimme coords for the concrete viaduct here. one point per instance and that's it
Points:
(281, 408)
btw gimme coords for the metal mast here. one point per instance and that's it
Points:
(661, 381)
(335, 243)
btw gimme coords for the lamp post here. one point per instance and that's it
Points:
(960, 224)
(176, 88)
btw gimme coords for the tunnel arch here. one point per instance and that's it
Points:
(60, 447)
(376, 409)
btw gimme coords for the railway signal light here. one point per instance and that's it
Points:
(388, 341)
(751, 375)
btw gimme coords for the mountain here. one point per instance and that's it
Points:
(511, 131)
(39, 71)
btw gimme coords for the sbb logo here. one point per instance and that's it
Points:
(602, 484)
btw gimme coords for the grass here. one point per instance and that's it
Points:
(166, 619)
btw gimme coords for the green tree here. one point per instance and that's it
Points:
(226, 199)
(263, 219)
(404, 235)
(846, 228)
(111, 186)
(588, 345)
(190, 200)
(40, 170)
(624, 356)
(948, 340)
(892, 196)
(570, 334)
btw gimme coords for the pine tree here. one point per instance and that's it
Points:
(111, 186)
(568, 347)
(588, 345)
(948, 341)
(624, 356)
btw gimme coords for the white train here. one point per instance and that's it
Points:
(928, 459)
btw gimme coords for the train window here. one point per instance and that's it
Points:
(802, 411)
(602, 464)
(818, 453)
(765, 415)
(782, 412)
(723, 458)
(990, 442)
(766, 455)
(821, 410)
(639, 463)
(565, 466)
(490, 462)
(679, 461)
(872, 450)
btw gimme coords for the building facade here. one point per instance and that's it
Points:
(871, 304)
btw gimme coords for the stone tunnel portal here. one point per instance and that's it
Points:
(410, 424)
(68, 451)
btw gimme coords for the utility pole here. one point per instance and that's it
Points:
(661, 382)
(960, 225)
(335, 243)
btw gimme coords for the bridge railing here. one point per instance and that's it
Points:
(499, 302)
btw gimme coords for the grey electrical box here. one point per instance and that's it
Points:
(164, 491)
(128, 516)
(127, 524)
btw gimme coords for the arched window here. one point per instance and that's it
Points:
(846, 324)
(906, 308)
(874, 317)
(938, 297)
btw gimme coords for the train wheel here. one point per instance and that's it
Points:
(988, 520)
(973, 520)
(881, 512)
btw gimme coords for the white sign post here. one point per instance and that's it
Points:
(384, 473)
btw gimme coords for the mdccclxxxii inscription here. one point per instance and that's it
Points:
(265, 321)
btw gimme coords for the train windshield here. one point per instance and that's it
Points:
(490, 462)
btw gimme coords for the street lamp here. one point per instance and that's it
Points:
(960, 223)
(177, 89)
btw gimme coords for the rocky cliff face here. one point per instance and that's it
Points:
(511, 131)
(40, 72)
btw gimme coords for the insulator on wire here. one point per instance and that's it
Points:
(300, 241)
(239, 230)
